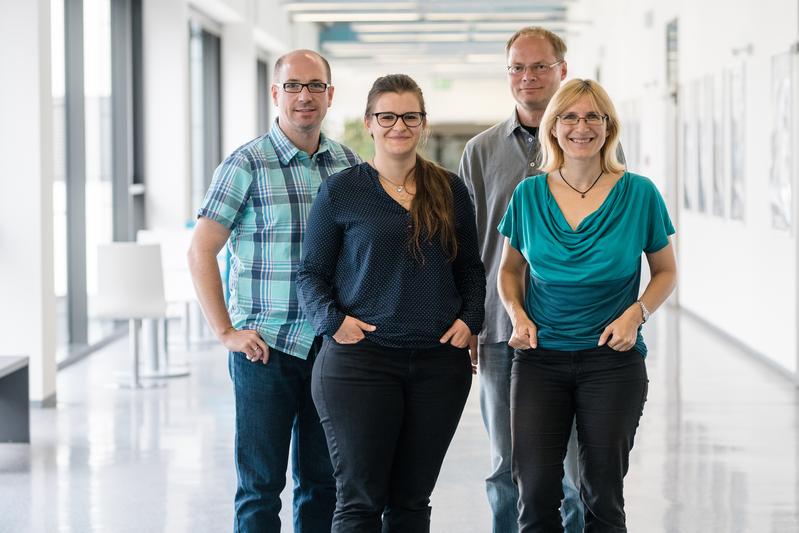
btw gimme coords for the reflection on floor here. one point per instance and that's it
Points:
(717, 450)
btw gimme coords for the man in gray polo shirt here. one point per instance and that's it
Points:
(493, 163)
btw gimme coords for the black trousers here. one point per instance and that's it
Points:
(605, 390)
(389, 415)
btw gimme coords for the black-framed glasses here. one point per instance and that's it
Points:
(387, 119)
(535, 68)
(592, 119)
(313, 87)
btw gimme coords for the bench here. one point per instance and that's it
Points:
(14, 401)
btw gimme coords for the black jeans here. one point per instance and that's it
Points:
(389, 415)
(606, 391)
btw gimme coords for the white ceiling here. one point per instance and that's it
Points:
(449, 37)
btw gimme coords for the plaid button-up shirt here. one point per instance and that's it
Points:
(263, 192)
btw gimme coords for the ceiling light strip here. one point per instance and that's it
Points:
(338, 6)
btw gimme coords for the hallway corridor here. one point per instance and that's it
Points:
(717, 450)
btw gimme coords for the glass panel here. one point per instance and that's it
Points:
(99, 199)
(197, 115)
(264, 97)
(204, 69)
(59, 171)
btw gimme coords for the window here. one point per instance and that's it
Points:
(86, 38)
(264, 97)
(206, 141)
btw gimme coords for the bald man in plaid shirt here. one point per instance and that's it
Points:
(258, 204)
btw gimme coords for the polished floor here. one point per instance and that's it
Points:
(717, 450)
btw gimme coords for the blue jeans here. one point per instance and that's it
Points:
(495, 370)
(389, 415)
(605, 390)
(274, 406)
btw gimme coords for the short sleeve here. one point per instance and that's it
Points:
(659, 225)
(229, 192)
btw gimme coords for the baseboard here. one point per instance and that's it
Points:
(47, 403)
(88, 350)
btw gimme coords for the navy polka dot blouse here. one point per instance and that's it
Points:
(357, 262)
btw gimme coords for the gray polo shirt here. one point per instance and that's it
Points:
(493, 163)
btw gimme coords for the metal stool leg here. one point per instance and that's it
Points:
(133, 334)
(161, 369)
(134, 380)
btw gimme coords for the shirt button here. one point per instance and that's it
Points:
(532, 165)
(529, 139)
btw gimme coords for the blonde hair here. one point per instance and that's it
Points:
(557, 43)
(570, 92)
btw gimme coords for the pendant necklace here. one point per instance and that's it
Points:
(582, 193)
(398, 188)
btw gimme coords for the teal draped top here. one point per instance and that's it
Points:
(582, 279)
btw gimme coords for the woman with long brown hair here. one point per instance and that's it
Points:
(391, 277)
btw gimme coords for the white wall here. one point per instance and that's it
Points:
(739, 276)
(27, 312)
(272, 20)
(239, 93)
(166, 112)
(246, 27)
(250, 28)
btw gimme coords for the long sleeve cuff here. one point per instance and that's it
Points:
(332, 323)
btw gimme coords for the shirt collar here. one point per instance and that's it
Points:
(511, 124)
(285, 149)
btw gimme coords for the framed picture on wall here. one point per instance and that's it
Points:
(687, 196)
(736, 151)
(707, 158)
(702, 144)
(631, 134)
(716, 110)
(686, 148)
(781, 160)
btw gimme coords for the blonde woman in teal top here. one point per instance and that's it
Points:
(574, 239)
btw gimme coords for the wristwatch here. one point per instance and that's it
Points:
(644, 311)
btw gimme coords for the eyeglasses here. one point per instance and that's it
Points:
(592, 119)
(536, 68)
(313, 87)
(387, 119)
